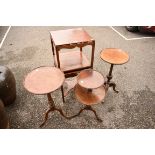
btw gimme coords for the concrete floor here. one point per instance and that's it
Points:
(26, 48)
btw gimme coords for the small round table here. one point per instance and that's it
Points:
(89, 90)
(44, 80)
(114, 56)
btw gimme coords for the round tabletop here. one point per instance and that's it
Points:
(44, 80)
(90, 79)
(87, 97)
(114, 56)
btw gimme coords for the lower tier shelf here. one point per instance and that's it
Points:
(72, 60)
(88, 97)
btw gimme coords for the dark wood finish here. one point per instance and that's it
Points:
(62, 92)
(90, 79)
(113, 56)
(44, 80)
(73, 74)
(92, 54)
(72, 61)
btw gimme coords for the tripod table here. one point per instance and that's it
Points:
(114, 56)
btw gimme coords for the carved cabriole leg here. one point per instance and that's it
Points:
(87, 107)
(51, 108)
(97, 117)
(113, 85)
(78, 113)
(61, 112)
(46, 117)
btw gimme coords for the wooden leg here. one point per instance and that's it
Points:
(95, 114)
(52, 108)
(61, 112)
(46, 117)
(70, 85)
(78, 113)
(113, 85)
(87, 107)
(63, 96)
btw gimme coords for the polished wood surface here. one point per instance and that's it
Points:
(44, 80)
(72, 60)
(87, 97)
(114, 56)
(69, 36)
(90, 79)
(52, 108)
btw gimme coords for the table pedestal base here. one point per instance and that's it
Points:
(52, 108)
(87, 107)
(111, 84)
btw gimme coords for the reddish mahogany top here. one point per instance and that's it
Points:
(69, 36)
(114, 56)
(44, 80)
